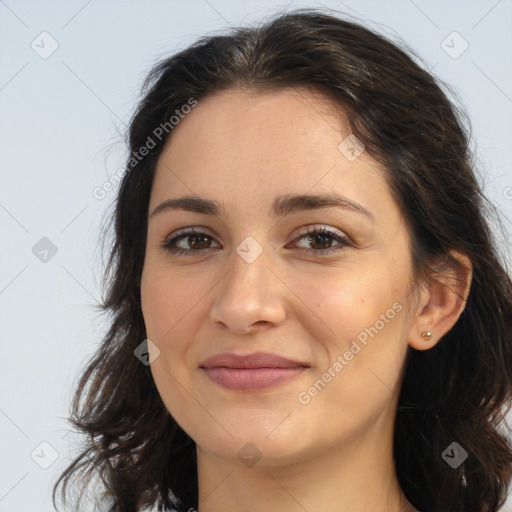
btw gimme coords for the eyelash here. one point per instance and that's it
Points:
(168, 244)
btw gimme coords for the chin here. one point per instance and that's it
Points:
(256, 441)
(255, 451)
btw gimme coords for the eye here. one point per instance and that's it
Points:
(324, 237)
(198, 241)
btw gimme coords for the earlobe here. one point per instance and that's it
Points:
(441, 302)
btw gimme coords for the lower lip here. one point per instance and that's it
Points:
(252, 379)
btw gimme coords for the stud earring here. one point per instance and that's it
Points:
(426, 335)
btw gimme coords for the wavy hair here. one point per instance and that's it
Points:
(458, 391)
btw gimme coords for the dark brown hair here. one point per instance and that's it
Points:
(458, 391)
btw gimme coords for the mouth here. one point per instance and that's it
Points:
(253, 372)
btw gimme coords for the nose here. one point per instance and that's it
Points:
(250, 297)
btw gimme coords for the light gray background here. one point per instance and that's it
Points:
(62, 120)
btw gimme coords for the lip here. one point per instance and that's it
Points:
(254, 360)
(252, 372)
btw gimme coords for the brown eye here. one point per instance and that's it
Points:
(321, 240)
(196, 241)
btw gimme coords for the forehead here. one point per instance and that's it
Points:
(256, 146)
(243, 123)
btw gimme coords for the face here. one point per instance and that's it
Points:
(325, 285)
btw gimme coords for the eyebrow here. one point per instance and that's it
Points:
(281, 206)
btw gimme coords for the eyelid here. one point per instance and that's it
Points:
(330, 230)
(308, 229)
(191, 230)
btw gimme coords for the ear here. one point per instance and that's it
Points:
(441, 302)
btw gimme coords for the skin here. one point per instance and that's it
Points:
(243, 150)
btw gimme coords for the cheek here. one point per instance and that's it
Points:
(362, 319)
(169, 306)
(167, 302)
(341, 304)
(174, 307)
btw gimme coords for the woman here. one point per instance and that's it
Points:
(309, 311)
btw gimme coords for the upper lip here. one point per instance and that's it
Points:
(254, 360)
